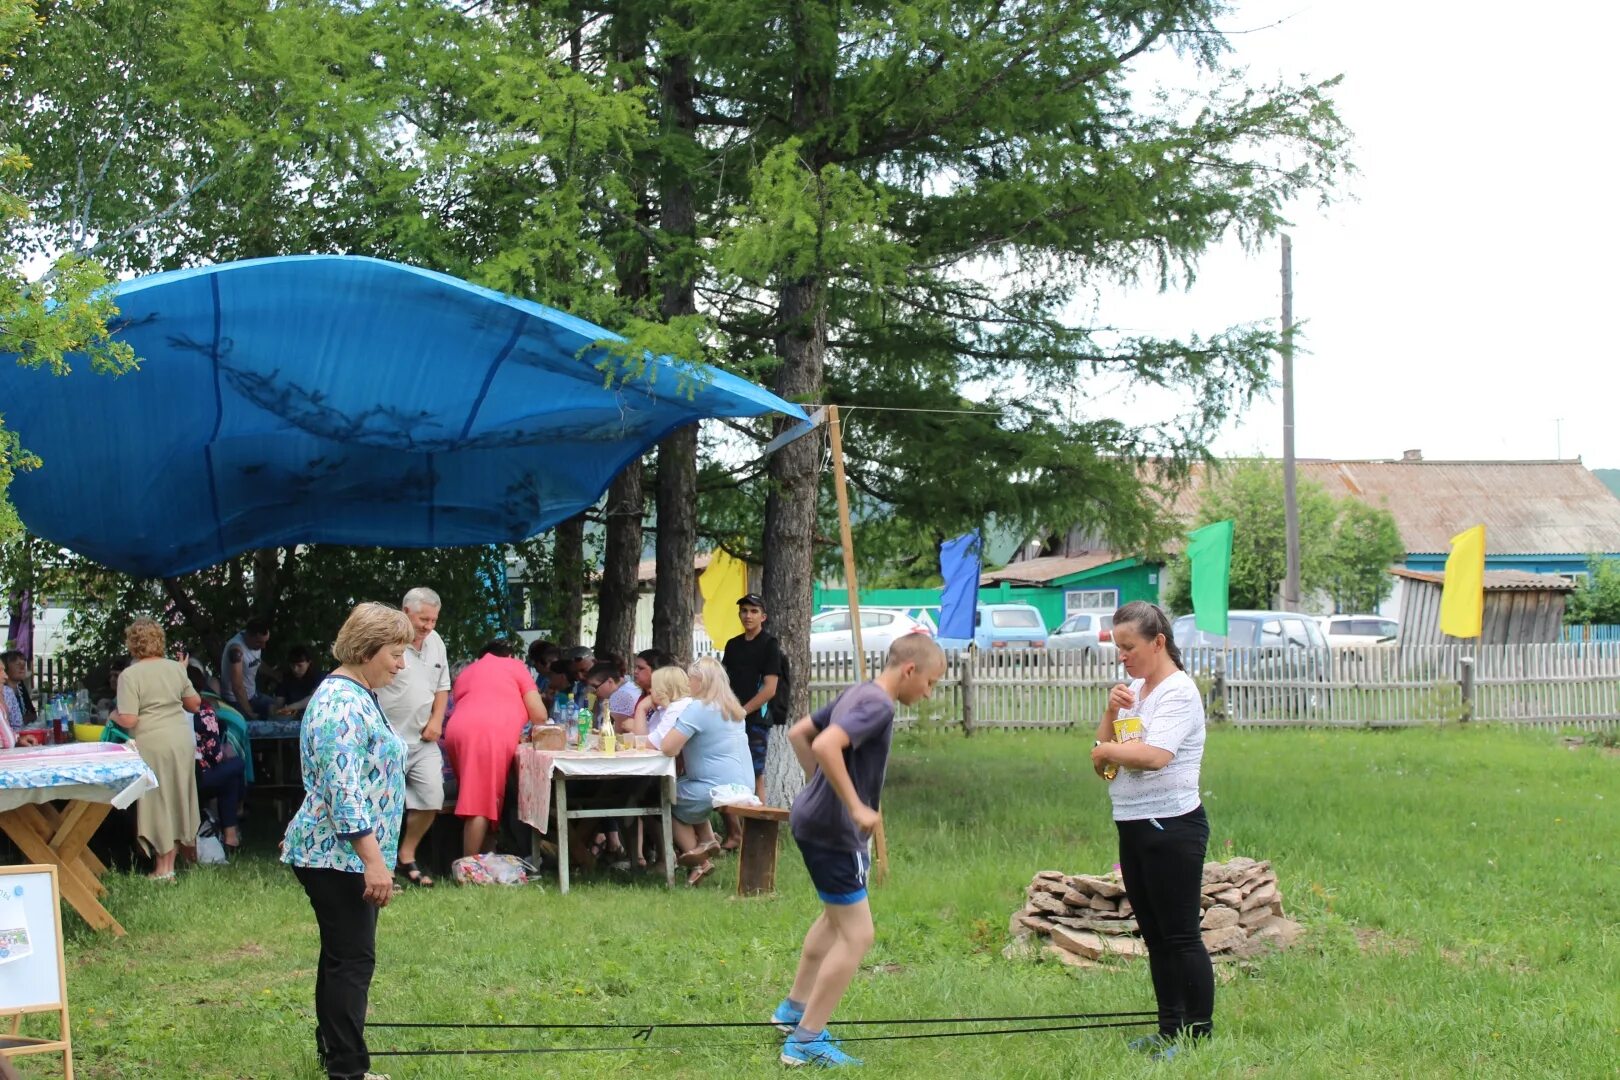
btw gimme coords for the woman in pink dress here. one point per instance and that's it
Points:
(495, 695)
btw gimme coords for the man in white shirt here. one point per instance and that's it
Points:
(239, 671)
(414, 703)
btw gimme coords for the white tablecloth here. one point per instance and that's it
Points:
(536, 768)
(95, 772)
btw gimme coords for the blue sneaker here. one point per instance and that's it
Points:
(821, 1050)
(1145, 1043)
(786, 1017)
(1167, 1053)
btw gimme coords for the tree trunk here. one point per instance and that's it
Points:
(620, 593)
(790, 509)
(569, 558)
(674, 602)
(266, 578)
(621, 556)
(674, 596)
(790, 522)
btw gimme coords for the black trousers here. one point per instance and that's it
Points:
(343, 975)
(1162, 861)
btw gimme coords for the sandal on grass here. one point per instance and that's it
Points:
(696, 857)
(700, 873)
(414, 876)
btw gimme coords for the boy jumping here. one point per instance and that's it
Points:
(844, 749)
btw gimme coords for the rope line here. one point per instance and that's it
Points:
(752, 1023)
(646, 1033)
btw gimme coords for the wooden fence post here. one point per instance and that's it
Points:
(1466, 665)
(966, 681)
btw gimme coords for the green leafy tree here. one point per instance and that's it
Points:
(65, 309)
(1346, 547)
(1366, 543)
(169, 134)
(1597, 601)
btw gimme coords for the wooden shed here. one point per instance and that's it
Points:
(1520, 608)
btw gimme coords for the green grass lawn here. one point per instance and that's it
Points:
(1461, 888)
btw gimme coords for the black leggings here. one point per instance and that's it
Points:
(1162, 861)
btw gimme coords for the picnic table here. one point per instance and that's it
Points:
(539, 771)
(92, 779)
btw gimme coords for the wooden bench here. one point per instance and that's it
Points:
(756, 855)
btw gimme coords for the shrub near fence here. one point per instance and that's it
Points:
(53, 676)
(1575, 685)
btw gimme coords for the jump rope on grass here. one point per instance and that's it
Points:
(642, 1037)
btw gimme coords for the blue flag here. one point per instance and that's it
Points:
(959, 566)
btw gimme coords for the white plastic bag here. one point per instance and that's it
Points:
(210, 851)
(733, 795)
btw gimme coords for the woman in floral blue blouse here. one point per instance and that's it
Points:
(342, 841)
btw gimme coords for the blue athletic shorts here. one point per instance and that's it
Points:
(839, 876)
(758, 736)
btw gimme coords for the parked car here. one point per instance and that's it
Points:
(1091, 632)
(830, 632)
(1359, 630)
(1004, 626)
(1261, 648)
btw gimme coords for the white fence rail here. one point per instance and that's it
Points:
(1566, 685)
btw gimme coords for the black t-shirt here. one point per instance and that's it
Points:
(293, 688)
(748, 662)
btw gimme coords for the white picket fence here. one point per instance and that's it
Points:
(1565, 685)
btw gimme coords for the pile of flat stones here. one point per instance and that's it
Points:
(1085, 919)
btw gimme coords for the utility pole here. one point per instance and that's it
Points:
(1290, 596)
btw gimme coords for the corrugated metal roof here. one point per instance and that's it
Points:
(1527, 507)
(1498, 580)
(1048, 568)
(647, 569)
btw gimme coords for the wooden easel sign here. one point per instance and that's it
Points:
(33, 976)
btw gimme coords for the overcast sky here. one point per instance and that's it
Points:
(1462, 302)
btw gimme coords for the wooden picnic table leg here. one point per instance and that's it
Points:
(666, 802)
(562, 833)
(97, 868)
(27, 831)
(72, 838)
(71, 867)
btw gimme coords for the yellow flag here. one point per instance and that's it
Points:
(1462, 599)
(723, 583)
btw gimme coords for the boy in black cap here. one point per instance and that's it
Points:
(753, 660)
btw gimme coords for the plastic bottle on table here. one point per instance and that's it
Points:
(583, 719)
(610, 741)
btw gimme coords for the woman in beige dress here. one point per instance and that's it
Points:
(154, 696)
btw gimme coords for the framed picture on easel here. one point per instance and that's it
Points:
(33, 975)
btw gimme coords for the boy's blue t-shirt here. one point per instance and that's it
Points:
(866, 713)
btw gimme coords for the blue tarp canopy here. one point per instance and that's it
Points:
(342, 400)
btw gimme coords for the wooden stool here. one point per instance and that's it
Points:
(756, 855)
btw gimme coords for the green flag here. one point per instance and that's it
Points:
(1209, 550)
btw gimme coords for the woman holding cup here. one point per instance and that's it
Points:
(1152, 736)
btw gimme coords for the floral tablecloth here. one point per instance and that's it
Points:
(536, 768)
(97, 772)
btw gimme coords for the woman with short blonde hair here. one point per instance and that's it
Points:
(342, 842)
(144, 639)
(368, 630)
(154, 696)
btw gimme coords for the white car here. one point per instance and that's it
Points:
(1091, 632)
(1359, 631)
(830, 631)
